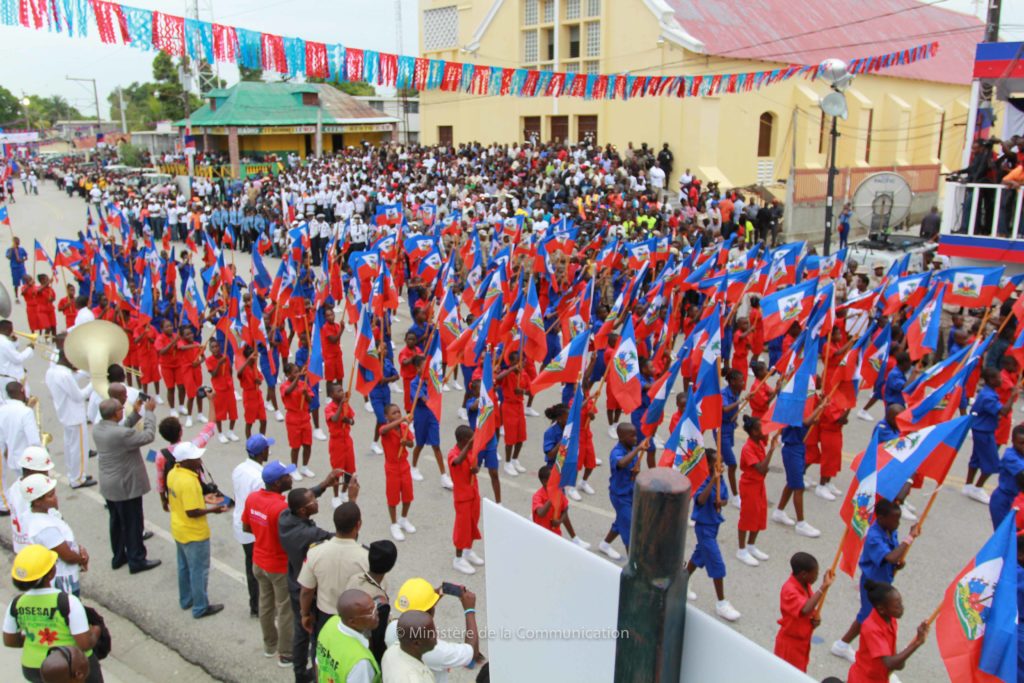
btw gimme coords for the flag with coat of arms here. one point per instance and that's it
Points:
(624, 371)
(684, 449)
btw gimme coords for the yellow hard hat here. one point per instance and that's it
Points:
(416, 594)
(33, 563)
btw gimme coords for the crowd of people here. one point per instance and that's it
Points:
(522, 267)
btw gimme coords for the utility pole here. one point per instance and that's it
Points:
(120, 104)
(96, 99)
(186, 86)
(992, 21)
(402, 104)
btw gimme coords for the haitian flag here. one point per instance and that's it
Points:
(68, 252)
(659, 392)
(906, 291)
(791, 403)
(624, 371)
(388, 214)
(934, 376)
(922, 329)
(936, 406)
(787, 306)
(192, 302)
(707, 392)
(976, 629)
(146, 300)
(971, 287)
(567, 455)
(5, 218)
(565, 368)
(449, 325)
(41, 255)
(315, 363)
(261, 279)
(874, 358)
(367, 355)
(487, 418)
(928, 451)
(858, 508)
(684, 449)
(435, 375)
(531, 325)
(782, 266)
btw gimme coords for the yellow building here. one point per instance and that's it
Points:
(910, 115)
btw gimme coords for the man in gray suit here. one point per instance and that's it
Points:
(123, 479)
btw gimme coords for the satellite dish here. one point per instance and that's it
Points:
(834, 104)
(882, 201)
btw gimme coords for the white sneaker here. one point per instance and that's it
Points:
(612, 433)
(805, 529)
(573, 493)
(744, 556)
(690, 595)
(530, 411)
(182, 410)
(232, 436)
(781, 517)
(843, 651)
(414, 472)
(658, 443)
(836, 491)
(268, 405)
(580, 542)
(375, 447)
(397, 388)
(866, 416)
(519, 468)
(396, 533)
(445, 388)
(978, 494)
(319, 435)
(907, 515)
(966, 490)
(725, 610)
(406, 525)
(367, 406)
(188, 423)
(736, 502)
(297, 476)
(908, 505)
(510, 470)
(587, 488)
(463, 415)
(222, 437)
(462, 565)
(279, 416)
(238, 397)
(757, 553)
(612, 554)
(202, 418)
(306, 472)
(473, 558)
(336, 502)
(598, 462)
(823, 492)
(446, 482)
(159, 399)
(457, 386)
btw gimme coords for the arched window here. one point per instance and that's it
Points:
(764, 134)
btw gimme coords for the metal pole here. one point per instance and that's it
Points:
(96, 97)
(992, 21)
(830, 190)
(120, 102)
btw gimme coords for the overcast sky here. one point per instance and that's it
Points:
(36, 62)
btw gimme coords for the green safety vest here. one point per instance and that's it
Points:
(40, 619)
(337, 653)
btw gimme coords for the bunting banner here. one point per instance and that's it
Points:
(177, 36)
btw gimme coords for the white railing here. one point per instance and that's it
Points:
(983, 209)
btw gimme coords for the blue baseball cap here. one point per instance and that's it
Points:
(274, 470)
(257, 443)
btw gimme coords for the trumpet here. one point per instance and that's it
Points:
(33, 338)
(45, 438)
(132, 372)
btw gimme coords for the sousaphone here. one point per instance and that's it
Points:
(5, 303)
(95, 346)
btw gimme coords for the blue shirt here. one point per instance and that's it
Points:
(791, 436)
(986, 410)
(877, 544)
(472, 410)
(417, 387)
(1011, 464)
(552, 437)
(707, 513)
(894, 387)
(620, 482)
(729, 397)
(885, 432)
(382, 389)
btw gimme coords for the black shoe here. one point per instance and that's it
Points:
(145, 566)
(117, 565)
(5, 513)
(211, 610)
(92, 454)
(89, 481)
(146, 535)
(254, 615)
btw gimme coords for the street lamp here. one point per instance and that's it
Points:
(838, 76)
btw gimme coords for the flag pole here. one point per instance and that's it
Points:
(832, 569)
(920, 522)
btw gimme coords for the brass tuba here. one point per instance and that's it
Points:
(95, 346)
(5, 303)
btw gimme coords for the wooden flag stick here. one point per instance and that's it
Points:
(835, 564)
(920, 522)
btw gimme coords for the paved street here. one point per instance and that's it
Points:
(228, 646)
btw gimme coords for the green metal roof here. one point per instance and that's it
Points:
(279, 104)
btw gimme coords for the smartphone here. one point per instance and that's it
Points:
(346, 477)
(452, 589)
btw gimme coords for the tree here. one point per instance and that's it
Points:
(348, 87)
(130, 155)
(10, 107)
(247, 74)
(44, 112)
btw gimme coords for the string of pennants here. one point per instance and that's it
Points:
(180, 36)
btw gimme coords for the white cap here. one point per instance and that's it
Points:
(35, 458)
(35, 486)
(186, 450)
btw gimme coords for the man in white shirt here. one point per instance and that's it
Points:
(84, 314)
(404, 661)
(18, 431)
(246, 478)
(657, 181)
(12, 361)
(359, 233)
(69, 402)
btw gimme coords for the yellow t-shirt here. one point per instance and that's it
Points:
(184, 492)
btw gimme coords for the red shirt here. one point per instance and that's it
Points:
(295, 402)
(220, 380)
(877, 640)
(674, 420)
(250, 378)
(753, 452)
(339, 429)
(170, 359)
(407, 370)
(509, 384)
(463, 478)
(395, 451)
(330, 330)
(760, 398)
(792, 598)
(540, 499)
(262, 511)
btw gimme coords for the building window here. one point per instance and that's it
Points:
(549, 44)
(530, 13)
(549, 11)
(574, 42)
(594, 39)
(593, 8)
(942, 132)
(821, 135)
(445, 135)
(867, 142)
(529, 46)
(572, 67)
(764, 134)
(441, 28)
(572, 9)
(412, 137)
(591, 66)
(377, 104)
(310, 99)
(412, 107)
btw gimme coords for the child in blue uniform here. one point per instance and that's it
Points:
(625, 463)
(730, 410)
(880, 559)
(1011, 479)
(425, 426)
(794, 460)
(636, 418)
(380, 398)
(986, 409)
(707, 513)
(559, 415)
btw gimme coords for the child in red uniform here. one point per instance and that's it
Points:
(45, 297)
(340, 418)
(30, 293)
(876, 655)
(224, 406)
(406, 367)
(761, 393)
(797, 603)
(1008, 375)
(678, 415)
(544, 509)
(466, 495)
(167, 353)
(396, 438)
(146, 358)
(612, 404)
(830, 444)
(68, 308)
(741, 348)
(756, 321)
(587, 460)
(190, 373)
(754, 463)
(330, 344)
(295, 394)
(250, 378)
(513, 383)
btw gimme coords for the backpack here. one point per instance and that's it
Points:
(103, 644)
